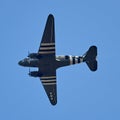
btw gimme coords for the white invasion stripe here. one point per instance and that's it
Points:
(46, 52)
(49, 83)
(53, 80)
(81, 59)
(48, 77)
(45, 44)
(46, 48)
(71, 60)
(76, 60)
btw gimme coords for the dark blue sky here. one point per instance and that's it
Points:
(82, 94)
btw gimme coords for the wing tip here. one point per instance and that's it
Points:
(50, 16)
(54, 103)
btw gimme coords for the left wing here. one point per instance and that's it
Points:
(47, 45)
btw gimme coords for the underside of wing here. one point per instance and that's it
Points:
(48, 60)
(47, 45)
(49, 84)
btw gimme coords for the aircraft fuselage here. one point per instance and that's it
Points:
(60, 61)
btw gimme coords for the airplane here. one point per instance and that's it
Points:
(47, 62)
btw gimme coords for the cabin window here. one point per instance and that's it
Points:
(66, 57)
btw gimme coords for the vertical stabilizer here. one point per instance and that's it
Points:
(90, 58)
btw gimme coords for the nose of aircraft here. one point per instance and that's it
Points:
(20, 63)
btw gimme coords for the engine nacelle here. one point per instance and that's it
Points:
(34, 55)
(35, 74)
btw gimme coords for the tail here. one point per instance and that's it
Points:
(90, 58)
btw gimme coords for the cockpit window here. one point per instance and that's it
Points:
(25, 59)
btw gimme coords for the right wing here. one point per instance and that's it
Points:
(49, 84)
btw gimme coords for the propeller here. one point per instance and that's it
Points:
(29, 71)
